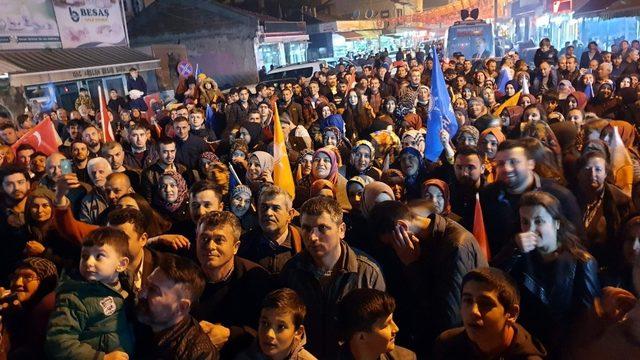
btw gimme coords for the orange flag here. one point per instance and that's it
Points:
(105, 118)
(282, 175)
(478, 229)
(512, 101)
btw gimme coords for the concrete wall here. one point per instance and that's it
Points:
(229, 58)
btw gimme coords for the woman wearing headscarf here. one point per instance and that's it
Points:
(303, 165)
(260, 170)
(605, 103)
(437, 191)
(323, 187)
(467, 135)
(414, 171)
(41, 235)
(526, 100)
(565, 88)
(240, 204)
(172, 202)
(361, 161)
(629, 135)
(255, 134)
(375, 193)
(324, 166)
(411, 121)
(395, 180)
(567, 134)
(488, 145)
(332, 130)
(511, 118)
(576, 99)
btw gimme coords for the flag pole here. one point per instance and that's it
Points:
(234, 174)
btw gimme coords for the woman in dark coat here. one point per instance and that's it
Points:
(557, 278)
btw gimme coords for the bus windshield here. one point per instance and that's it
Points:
(474, 41)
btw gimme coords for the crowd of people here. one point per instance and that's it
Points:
(520, 241)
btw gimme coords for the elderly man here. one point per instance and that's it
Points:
(95, 202)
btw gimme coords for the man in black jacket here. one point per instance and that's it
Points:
(425, 269)
(276, 240)
(139, 154)
(189, 147)
(515, 176)
(325, 272)
(175, 285)
(230, 304)
(287, 105)
(166, 162)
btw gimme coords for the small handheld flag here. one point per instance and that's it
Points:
(105, 118)
(282, 175)
(479, 231)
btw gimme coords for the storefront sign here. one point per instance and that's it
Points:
(90, 23)
(78, 74)
(28, 24)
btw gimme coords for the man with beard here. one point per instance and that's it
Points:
(8, 134)
(92, 137)
(238, 112)
(230, 304)
(80, 159)
(515, 176)
(276, 240)
(15, 188)
(139, 154)
(114, 153)
(188, 146)
(288, 106)
(173, 288)
(150, 176)
(469, 178)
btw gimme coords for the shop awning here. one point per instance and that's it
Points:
(57, 65)
(350, 35)
(594, 8)
(360, 34)
(370, 34)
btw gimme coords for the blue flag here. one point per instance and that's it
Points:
(589, 91)
(503, 79)
(441, 114)
(209, 117)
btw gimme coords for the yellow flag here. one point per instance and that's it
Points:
(282, 175)
(512, 101)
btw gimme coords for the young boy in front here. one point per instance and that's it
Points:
(89, 320)
(365, 319)
(489, 309)
(280, 330)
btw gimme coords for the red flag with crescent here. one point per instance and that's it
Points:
(43, 137)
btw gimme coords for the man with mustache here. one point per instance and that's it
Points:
(16, 184)
(276, 240)
(469, 178)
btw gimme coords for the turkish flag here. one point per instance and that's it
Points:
(105, 118)
(479, 231)
(43, 137)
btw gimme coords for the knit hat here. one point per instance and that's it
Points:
(44, 268)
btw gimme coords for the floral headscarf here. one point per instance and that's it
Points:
(182, 192)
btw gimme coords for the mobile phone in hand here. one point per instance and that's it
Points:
(66, 167)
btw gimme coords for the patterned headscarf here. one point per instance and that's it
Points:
(182, 191)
